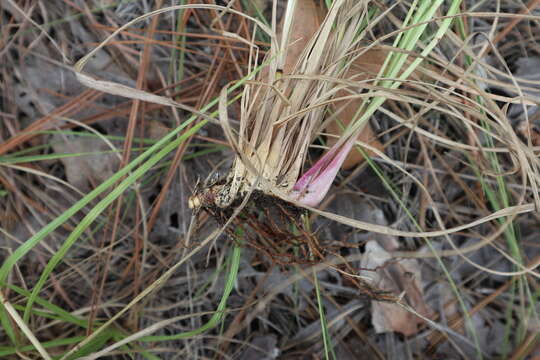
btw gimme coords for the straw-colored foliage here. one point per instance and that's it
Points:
(305, 106)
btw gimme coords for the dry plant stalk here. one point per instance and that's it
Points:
(282, 114)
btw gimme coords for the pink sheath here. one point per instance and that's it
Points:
(313, 186)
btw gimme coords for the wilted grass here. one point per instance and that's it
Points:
(428, 123)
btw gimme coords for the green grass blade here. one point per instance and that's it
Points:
(100, 207)
(327, 341)
(220, 311)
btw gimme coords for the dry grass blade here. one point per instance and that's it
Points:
(132, 93)
(24, 328)
(112, 246)
(156, 285)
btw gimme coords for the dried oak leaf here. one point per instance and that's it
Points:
(91, 166)
(396, 276)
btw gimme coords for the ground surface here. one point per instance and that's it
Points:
(472, 292)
